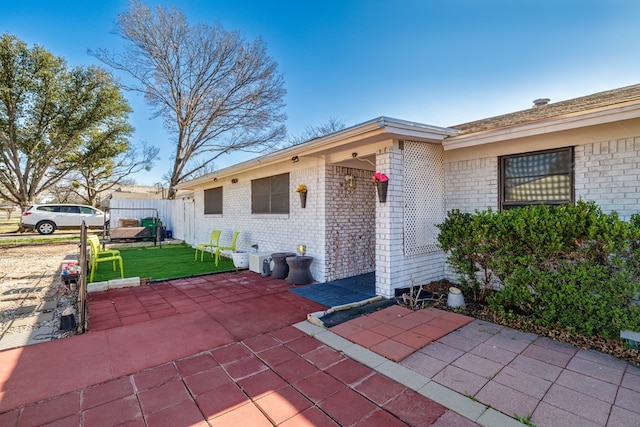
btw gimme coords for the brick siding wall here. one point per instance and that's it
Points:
(349, 232)
(608, 172)
(350, 223)
(471, 184)
(337, 226)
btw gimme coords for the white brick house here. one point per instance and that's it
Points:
(586, 148)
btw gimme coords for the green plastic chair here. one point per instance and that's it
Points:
(214, 242)
(97, 257)
(232, 248)
(94, 240)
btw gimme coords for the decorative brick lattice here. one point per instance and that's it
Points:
(424, 205)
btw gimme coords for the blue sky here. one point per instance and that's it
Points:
(436, 62)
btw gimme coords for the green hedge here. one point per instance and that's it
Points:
(571, 266)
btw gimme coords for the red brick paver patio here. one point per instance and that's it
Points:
(212, 350)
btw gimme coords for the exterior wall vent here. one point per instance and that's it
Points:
(540, 102)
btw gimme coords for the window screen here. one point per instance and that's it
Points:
(270, 195)
(544, 177)
(213, 201)
(69, 209)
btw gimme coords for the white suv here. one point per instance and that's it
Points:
(46, 219)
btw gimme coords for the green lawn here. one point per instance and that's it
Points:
(9, 225)
(161, 262)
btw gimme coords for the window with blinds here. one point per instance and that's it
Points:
(270, 195)
(213, 201)
(544, 177)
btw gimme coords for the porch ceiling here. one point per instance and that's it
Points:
(366, 162)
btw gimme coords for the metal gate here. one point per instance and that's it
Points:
(189, 219)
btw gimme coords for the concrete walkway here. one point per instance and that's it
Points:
(482, 365)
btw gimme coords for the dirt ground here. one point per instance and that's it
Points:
(32, 293)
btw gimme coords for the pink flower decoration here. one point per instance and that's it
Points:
(379, 177)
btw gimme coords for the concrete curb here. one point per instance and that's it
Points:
(113, 284)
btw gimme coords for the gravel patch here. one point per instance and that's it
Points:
(32, 293)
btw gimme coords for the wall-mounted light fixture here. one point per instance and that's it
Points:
(215, 179)
(354, 155)
(351, 181)
(234, 181)
(295, 159)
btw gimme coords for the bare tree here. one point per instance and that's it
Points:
(332, 125)
(198, 168)
(215, 92)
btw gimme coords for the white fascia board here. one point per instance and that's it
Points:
(378, 126)
(404, 129)
(550, 125)
(420, 130)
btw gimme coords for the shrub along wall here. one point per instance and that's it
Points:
(573, 267)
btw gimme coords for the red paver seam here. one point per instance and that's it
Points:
(413, 333)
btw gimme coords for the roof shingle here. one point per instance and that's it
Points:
(583, 103)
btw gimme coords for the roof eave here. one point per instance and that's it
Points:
(382, 125)
(549, 125)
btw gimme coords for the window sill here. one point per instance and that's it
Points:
(270, 216)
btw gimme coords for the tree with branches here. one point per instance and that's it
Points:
(332, 125)
(102, 167)
(48, 114)
(215, 92)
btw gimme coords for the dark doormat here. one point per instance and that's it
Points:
(341, 316)
(340, 292)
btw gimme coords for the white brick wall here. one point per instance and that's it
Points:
(608, 172)
(471, 184)
(384, 247)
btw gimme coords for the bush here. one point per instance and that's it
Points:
(573, 267)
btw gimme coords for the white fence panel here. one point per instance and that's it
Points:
(140, 209)
(176, 215)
